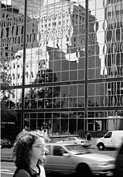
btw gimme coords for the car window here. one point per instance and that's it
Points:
(76, 149)
(57, 151)
(108, 135)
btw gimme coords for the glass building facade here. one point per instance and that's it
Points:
(62, 63)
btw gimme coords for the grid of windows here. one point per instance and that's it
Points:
(65, 68)
(54, 97)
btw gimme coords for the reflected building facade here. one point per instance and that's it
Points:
(114, 53)
(68, 76)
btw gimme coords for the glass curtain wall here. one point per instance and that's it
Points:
(62, 65)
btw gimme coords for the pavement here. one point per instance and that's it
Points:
(7, 153)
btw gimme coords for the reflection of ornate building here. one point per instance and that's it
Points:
(114, 52)
(12, 30)
(62, 34)
(114, 37)
(12, 38)
(38, 59)
(65, 28)
(35, 58)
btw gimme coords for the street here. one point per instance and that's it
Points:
(8, 168)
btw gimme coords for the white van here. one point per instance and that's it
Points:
(112, 139)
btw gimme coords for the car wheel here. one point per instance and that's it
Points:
(101, 146)
(83, 171)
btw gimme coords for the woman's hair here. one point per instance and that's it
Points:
(23, 146)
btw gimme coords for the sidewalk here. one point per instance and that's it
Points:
(7, 156)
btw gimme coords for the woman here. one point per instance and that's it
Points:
(29, 151)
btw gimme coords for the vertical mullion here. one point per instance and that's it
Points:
(24, 58)
(86, 60)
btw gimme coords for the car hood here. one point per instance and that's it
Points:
(97, 157)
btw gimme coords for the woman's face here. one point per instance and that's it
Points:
(38, 149)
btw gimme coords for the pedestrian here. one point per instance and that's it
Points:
(29, 152)
(89, 139)
(88, 136)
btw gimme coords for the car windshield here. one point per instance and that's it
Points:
(77, 149)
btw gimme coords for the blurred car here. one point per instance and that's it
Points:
(69, 158)
(59, 137)
(76, 140)
(71, 138)
(119, 163)
(5, 143)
